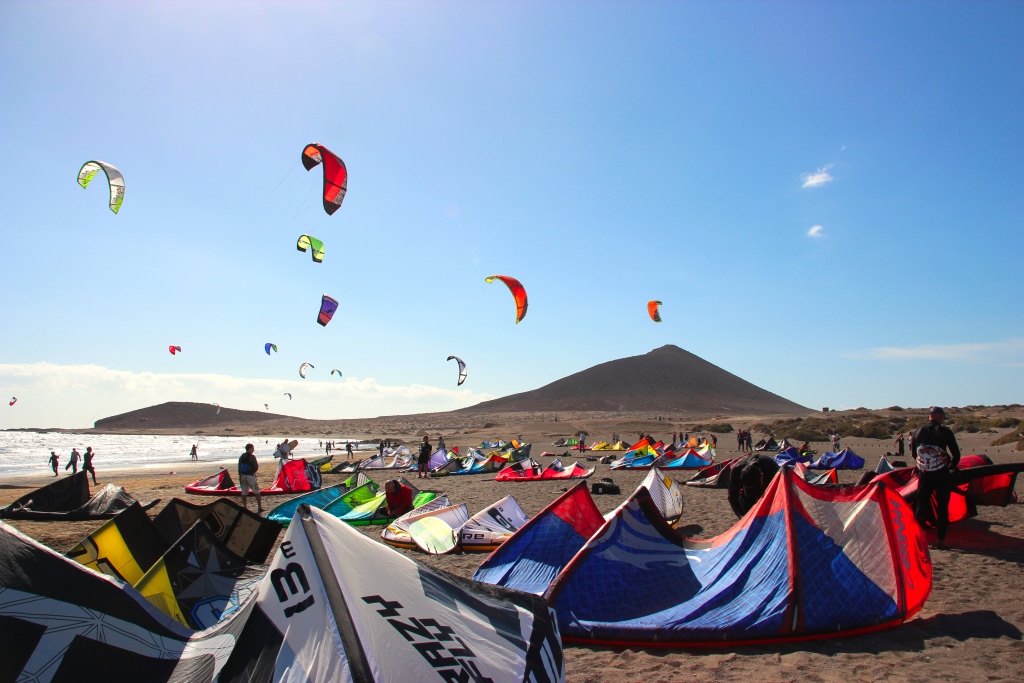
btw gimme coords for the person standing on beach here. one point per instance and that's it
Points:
(348, 450)
(835, 442)
(247, 469)
(87, 463)
(54, 463)
(282, 452)
(583, 442)
(195, 452)
(937, 456)
(73, 461)
(714, 440)
(424, 458)
(899, 445)
(675, 435)
(327, 448)
(440, 443)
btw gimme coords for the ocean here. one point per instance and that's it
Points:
(28, 453)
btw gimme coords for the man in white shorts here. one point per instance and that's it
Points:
(247, 468)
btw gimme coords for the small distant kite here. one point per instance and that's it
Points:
(218, 408)
(114, 179)
(309, 242)
(462, 369)
(336, 370)
(266, 406)
(268, 346)
(288, 395)
(518, 293)
(174, 349)
(335, 174)
(328, 307)
(302, 369)
(14, 399)
(652, 310)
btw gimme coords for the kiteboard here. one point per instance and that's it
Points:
(432, 535)
(291, 449)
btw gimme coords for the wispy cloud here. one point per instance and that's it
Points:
(976, 352)
(818, 178)
(815, 231)
(76, 395)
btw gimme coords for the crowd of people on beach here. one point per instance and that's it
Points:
(85, 458)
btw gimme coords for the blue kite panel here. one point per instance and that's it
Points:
(533, 557)
(738, 590)
(790, 456)
(845, 459)
(284, 512)
(834, 592)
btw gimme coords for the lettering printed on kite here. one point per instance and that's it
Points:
(293, 577)
(440, 645)
(902, 543)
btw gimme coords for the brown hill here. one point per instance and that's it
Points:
(668, 379)
(178, 415)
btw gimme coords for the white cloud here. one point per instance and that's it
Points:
(815, 231)
(52, 395)
(952, 352)
(818, 178)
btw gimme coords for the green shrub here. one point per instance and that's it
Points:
(715, 427)
(1008, 438)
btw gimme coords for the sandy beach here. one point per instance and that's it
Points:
(970, 629)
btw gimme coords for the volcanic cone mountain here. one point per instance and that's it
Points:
(666, 379)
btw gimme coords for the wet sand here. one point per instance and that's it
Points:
(970, 629)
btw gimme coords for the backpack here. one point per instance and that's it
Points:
(605, 486)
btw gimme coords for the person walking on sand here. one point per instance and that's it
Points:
(247, 469)
(835, 442)
(424, 458)
(87, 463)
(899, 445)
(73, 461)
(348, 450)
(937, 457)
(54, 463)
(195, 452)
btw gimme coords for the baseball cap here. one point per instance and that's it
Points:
(935, 410)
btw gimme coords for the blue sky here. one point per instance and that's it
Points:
(603, 153)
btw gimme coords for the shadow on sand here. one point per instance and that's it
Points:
(910, 637)
(976, 537)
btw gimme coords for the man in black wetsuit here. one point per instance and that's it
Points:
(937, 456)
(748, 481)
(87, 465)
